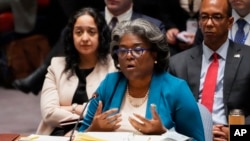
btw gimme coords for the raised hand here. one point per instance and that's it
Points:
(106, 121)
(153, 126)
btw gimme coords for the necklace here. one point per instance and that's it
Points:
(136, 102)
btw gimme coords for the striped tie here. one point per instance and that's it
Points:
(113, 23)
(240, 34)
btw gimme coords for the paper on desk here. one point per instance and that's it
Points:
(174, 136)
(43, 138)
(87, 137)
(109, 136)
(124, 136)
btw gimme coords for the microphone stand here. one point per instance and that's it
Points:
(80, 117)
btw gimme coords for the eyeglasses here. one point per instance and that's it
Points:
(215, 18)
(135, 52)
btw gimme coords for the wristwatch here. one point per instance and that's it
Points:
(74, 105)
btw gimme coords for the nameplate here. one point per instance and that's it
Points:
(239, 132)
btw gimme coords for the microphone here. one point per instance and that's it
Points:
(95, 95)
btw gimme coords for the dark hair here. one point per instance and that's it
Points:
(145, 30)
(72, 55)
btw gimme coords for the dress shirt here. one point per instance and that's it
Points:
(234, 28)
(218, 113)
(123, 17)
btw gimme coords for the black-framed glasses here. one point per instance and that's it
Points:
(215, 18)
(135, 52)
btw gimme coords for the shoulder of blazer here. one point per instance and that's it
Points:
(57, 60)
(57, 64)
(107, 66)
(238, 47)
(136, 15)
(103, 13)
(193, 52)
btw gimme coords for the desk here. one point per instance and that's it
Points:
(112, 136)
(8, 136)
(126, 136)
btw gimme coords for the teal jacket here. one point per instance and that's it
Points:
(174, 102)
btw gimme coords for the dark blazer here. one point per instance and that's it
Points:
(236, 87)
(173, 15)
(156, 22)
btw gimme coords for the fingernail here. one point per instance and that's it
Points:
(153, 105)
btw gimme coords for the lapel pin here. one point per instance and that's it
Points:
(237, 55)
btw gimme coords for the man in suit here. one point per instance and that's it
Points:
(240, 10)
(233, 70)
(176, 22)
(121, 9)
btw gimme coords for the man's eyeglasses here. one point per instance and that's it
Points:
(215, 18)
(135, 52)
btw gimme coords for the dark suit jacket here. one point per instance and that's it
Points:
(148, 7)
(173, 15)
(156, 22)
(236, 87)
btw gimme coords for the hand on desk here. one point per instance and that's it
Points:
(153, 126)
(106, 121)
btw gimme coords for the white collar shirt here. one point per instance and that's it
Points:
(123, 17)
(234, 28)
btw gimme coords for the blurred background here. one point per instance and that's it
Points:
(19, 113)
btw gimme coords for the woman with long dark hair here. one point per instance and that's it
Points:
(71, 80)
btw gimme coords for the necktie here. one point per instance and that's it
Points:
(112, 23)
(240, 34)
(209, 87)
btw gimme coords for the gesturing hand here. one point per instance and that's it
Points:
(153, 126)
(106, 121)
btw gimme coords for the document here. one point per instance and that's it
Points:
(110, 136)
(34, 137)
(127, 136)
(174, 136)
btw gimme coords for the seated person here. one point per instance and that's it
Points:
(181, 20)
(71, 80)
(122, 10)
(217, 70)
(133, 100)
